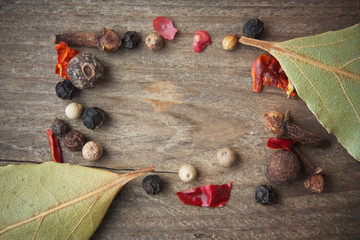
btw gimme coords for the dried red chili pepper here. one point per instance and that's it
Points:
(55, 146)
(206, 195)
(280, 143)
(266, 71)
(65, 54)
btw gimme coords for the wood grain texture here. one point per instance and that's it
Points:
(174, 106)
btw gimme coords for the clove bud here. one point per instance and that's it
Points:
(315, 176)
(106, 40)
(282, 125)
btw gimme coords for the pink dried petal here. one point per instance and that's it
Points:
(164, 27)
(201, 40)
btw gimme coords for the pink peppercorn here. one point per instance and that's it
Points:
(201, 40)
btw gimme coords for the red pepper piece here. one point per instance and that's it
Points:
(200, 41)
(164, 27)
(280, 143)
(266, 71)
(55, 146)
(65, 54)
(206, 195)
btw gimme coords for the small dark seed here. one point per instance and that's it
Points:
(130, 40)
(265, 194)
(93, 118)
(59, 128)
(65, 90)
(152, 184)
(253, 28)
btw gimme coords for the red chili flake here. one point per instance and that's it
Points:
(206, 195)
(200, 41)
(280, 143)
(164, 27)
(65, 54)
(266, 71)
(55, 146)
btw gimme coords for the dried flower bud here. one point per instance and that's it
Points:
(273, 120)
(315, 182)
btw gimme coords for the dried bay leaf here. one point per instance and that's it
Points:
(325, 71)
(56, 201)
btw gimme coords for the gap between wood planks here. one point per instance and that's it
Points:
(98, 167)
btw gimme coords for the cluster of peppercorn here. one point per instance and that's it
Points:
(75, 141)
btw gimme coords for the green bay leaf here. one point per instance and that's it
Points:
(325, 71)
(56, 201)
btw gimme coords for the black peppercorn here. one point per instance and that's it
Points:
(253, 28)
(265, 194)
(65, 90)
(152, 184)
(93, 117)
(130, 40)
(59, 128)
(74, 140)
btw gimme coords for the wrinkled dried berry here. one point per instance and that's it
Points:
(65, 90)
(59, 128)
(253, 28)
(74, 140)
(265, 194)
(93, 117)
(152, 184)
(85, 70)
(130, 40)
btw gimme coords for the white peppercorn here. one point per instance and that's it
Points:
(92, 151)
(73, 110)
(226, 157)
(187, 173)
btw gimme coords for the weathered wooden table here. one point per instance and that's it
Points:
(174, 106)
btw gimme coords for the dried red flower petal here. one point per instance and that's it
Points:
(266, 71)
(206, 195)
(200, 41)
(280, 143)
(65, 54)
(164, 27)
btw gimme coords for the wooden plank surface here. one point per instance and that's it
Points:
(174, 106)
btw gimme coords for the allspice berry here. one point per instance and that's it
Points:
(73, 110)
(74, 140)
(154, 41)
(226, 157)
(84, 70)
(229, 42)
(282, 167)
(92, 151)
(187, 173)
